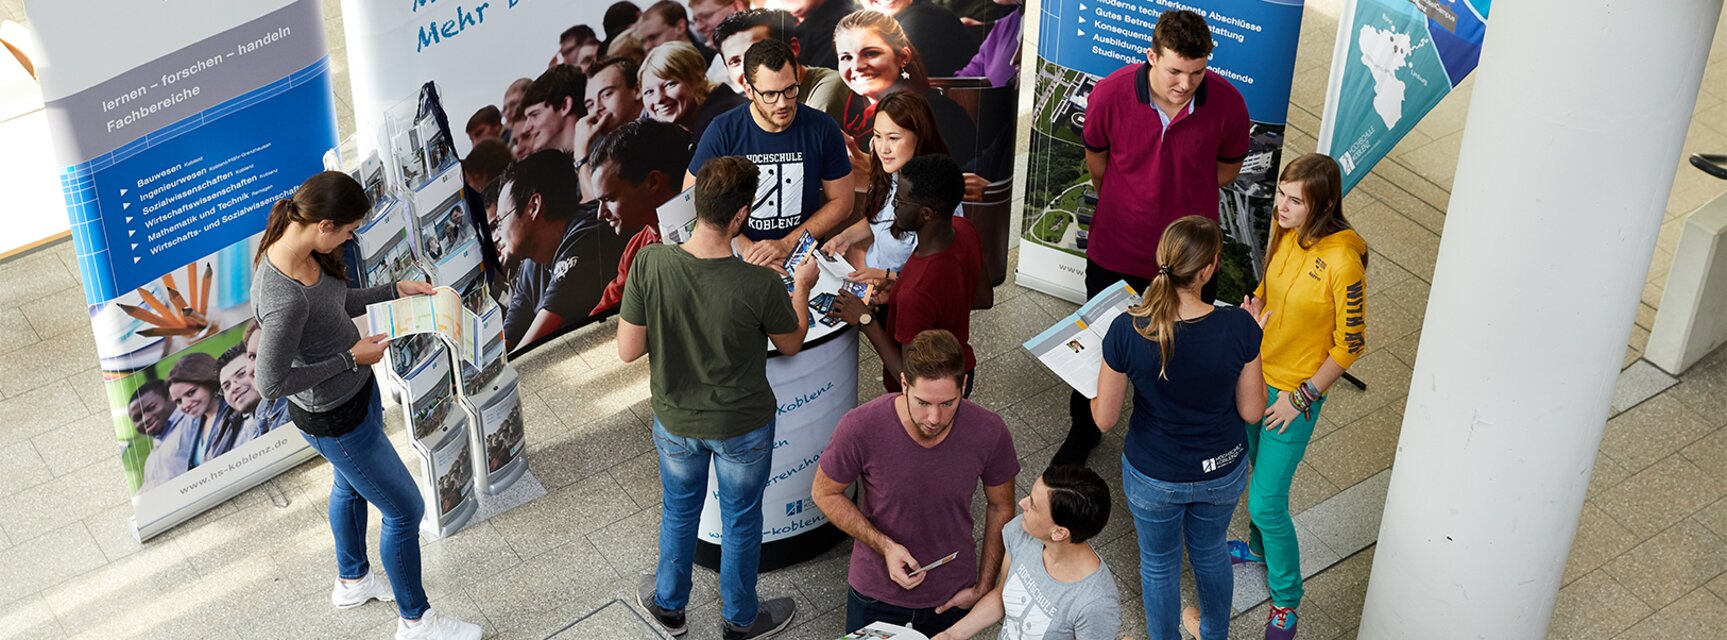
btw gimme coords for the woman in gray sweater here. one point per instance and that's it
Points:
(312, 354)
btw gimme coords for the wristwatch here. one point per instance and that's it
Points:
(353, 362)
(864, 319)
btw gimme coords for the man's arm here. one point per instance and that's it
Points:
(830, 497)
(632, 341)
(996, 515)
(1226, 171)
(792, 342)
(545, 322)
(1095, 162)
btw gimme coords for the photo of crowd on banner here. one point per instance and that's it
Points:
(574, 159)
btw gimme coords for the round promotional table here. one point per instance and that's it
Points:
(814, 389)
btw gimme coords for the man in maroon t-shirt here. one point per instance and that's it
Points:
(1160, 139)
(917, 458)
(934, 288)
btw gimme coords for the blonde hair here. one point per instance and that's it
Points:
(626, 45)
(679, 61)
(1188, 246)
(889, 30)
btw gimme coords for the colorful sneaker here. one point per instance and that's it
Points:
(433, 626)
(349, 595)
(1280, 623)
(1242, 553)
(671, 621)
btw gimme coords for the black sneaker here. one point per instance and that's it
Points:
(775, 615)
(672, 621)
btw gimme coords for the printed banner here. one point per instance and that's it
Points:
(1081, 41)
(169, 169)
(1395, 60)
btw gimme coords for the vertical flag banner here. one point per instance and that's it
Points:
(1081, 41)
(1395, 60)
(170, 157)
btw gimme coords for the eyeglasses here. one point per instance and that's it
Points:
(773, 97)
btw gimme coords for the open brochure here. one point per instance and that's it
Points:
(678, 217)
(441, 313)
(884, 631)
(1073, 347)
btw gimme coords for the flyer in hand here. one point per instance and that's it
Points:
(441, 313)
(1073, 347)
(884, 631)
(678, 217)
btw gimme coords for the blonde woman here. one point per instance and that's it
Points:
(676, 90)
(876, 60)
(1312, 304)
(1196, 379)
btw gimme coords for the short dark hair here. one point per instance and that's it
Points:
(487, 160)
(934, 354)
(724, 185)
(581, 33)
(554, 85)
(1078, 500)
(233, 353)
(936, 181)
(619, 16)
(668, 11)
(625, 64)
(1183, 33)
(770, 53)
(157, 386)
(782, 26)
(550, 173)
(638, 147)
(487, 115)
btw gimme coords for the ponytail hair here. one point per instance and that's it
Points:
(1189, 245)
(331, 195)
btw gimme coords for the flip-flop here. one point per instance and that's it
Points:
(1241, 553)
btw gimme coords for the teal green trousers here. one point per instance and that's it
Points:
(1274, 457)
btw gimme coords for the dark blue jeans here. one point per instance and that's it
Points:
(741, 465)
(861, 610)
(367, 470)
(1165, 513)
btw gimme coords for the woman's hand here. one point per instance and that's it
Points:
(1280, 413)
(413, 288)
(870, 275)
(1256, 306)
(369, 350)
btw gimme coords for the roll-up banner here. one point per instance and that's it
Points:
(1395, 60)
(484, 54)
(169, 168)
(1081, 41)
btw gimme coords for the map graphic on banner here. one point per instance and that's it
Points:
(1081, 41)
(1395, 60)
(169, 167)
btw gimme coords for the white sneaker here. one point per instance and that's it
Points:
(348, 596)
(433, 626)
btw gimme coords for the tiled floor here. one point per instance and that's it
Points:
(1649, 560)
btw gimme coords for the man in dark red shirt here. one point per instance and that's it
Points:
(1160, 139)
(934, 288)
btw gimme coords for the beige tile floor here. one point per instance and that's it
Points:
(1649, 560)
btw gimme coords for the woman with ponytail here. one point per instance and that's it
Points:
(1312, 304)
(1196, 381)
(311, 353)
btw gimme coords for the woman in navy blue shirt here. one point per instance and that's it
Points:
(1196, 381)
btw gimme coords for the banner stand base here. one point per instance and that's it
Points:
(1061, 291)
(781, 553)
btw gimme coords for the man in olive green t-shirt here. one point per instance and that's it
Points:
(704, 313)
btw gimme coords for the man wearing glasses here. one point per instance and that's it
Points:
(806, 181)
(561, 252)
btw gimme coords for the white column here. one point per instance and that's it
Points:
(1579, 112)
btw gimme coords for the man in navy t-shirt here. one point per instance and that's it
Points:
(806, 181)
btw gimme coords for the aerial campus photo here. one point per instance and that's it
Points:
(1060, 199)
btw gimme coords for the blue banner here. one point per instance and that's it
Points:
(1395, 60)
(1080, 42)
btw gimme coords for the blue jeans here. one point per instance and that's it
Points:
(367, 470)
(741, 464)
(1165, 513)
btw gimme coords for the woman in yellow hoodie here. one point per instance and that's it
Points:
(1312, 304)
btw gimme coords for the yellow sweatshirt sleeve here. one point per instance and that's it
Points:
(1349, 295)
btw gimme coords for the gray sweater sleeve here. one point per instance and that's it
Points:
(276, 373)
(358, 299)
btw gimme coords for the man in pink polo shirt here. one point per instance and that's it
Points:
(1160, 139)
